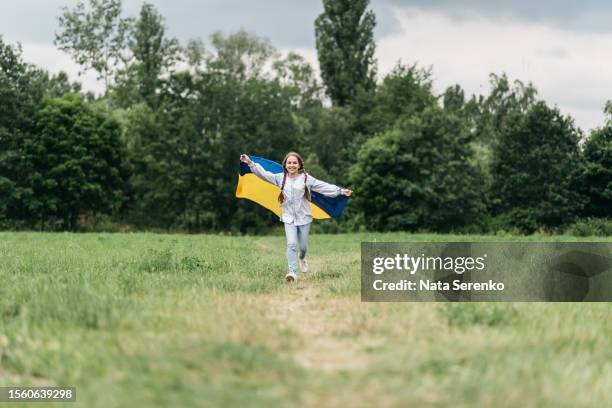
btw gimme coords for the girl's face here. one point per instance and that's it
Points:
(292, 165)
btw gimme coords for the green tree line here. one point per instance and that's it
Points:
(159, 147)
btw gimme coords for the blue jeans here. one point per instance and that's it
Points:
(297, 235)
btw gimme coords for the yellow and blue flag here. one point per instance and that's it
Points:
(266, 194)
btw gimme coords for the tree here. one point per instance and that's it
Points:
(253, 116)
(404, 91)
(76, 158)
(298, 76)
(453, 99)
(95, 38)
(196, 54)
(181, 160)
(535, 166)
(184, 154)
(486, 117)
(142, 136)
(327, 134)
(418, 175)
(153, 53)
(22, 88)
(241, 54)
(505, 100)
(345, 47)
(57, 85)
(596, 181)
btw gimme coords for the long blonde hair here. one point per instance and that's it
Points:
(281, 197)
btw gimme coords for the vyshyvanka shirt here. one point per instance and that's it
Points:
(296, 208)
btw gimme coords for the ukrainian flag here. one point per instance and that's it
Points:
(266, 194)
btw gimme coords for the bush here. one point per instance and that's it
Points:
(419, 176)
(98, 223)
(499, 225)
(535, 168)
(600, 227)
(351, 221)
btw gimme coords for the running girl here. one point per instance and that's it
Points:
(295, 184)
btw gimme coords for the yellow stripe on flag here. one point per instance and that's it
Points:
(266, 194)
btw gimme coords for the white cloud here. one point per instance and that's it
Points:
(47, 56)
(570, 69)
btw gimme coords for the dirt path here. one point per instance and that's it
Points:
(319, 323)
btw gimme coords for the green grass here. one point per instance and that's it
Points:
(199, 320)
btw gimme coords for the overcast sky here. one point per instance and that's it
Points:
(563, 47)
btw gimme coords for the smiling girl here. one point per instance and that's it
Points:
(295, 184)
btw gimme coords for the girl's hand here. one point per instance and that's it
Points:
(347, 192)
(245, 159)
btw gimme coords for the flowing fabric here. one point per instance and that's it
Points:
(266, 193)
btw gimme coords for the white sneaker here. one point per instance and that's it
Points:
(303, 265)
(291, 277)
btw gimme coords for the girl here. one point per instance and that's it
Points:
(295, 185)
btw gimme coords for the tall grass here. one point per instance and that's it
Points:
(157, 320)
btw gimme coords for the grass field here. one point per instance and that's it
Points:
(201, 320)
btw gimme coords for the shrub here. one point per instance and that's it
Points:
(601, 227)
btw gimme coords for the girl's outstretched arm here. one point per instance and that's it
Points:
(259, 171)
(329, 190)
